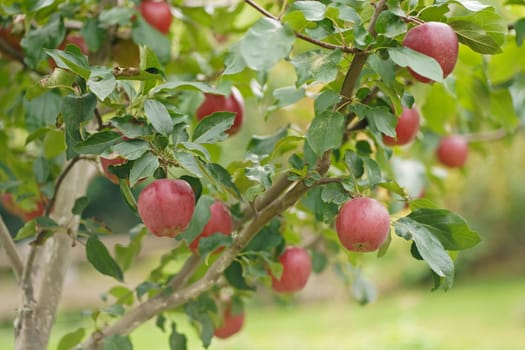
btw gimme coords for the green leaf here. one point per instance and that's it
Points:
(483, 31)
(223, 177)
(267, 239)
(428, 246)
(199, 310)
(159, 116)
(325, 132)
(132, 149)
(354, 164)
(117, 342)
(71, 59)
(235, 277)
(267, 42)
(380, 119)
(93, 33)
(264, 145)
(76, 110)
(98, 255)
(451, 229)
(126, 255)
(519, 27)
(146, 287)
(261, 174)
(177, 340)
(127, 195)
(28, 230)
(41, 169)
(312, 10)
(421, 64)
(42, 111)
(209, 244)
(173, 86)
(49, 35)
(101, 82)
(199, 219)
(213, 128)
(97, 143)
(325, 101)
(502, 108)
(390, 25)
(116, 15)
(144, 34)
(317, 65)
(71, 339)
(143, 167)
(373, 171)
(286, 96)
(80, 204)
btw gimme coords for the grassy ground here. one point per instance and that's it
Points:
(481, 315)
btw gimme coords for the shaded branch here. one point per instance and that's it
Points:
(9, 246)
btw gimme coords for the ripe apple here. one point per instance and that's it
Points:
(297, 266)
(406, 128)
(231, 324)
(437, 40)
(220, 222)
(362, 224)
(452, 151)
(166, 206)
(107, 162)
(13, 208)
(157, 14)
(218, 103)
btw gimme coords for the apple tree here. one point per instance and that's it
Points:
(346, 112)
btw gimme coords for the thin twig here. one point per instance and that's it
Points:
(6, 241)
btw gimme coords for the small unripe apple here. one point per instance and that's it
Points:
(230, 325)
(220, 222)
(157, 14)
(362, 224)
(166, 206)
(452, 151)
(297, 267)
(437, 40)
(406, 128)
(126, 53)
(107, 162)
(219, 103)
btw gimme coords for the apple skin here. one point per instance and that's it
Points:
(10, 205)
(13, 40)
(453, 151)
(166, 206)
(107, 162)
(231, 324)
(126, 53)
(220, 221)
(406, 128)
(297, 267)
(437, 40)
(362, 224)
(218, 103)
(157, 14)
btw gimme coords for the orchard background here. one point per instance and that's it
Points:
(283, 112)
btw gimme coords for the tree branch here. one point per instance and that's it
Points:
(301, 36)
(10, 249)
(491, 136)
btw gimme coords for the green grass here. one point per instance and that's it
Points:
(480, 315)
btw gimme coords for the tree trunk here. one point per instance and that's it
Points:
(43, 291)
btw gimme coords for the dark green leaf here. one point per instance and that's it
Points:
(71, 59)
(373, 171)
(354, 164)
(519, 27)
(502, 108)
(126, 255)
(325, 101)
(93, 34)
(117, 342)
(177, 340)
(223, 177)
(76, 110)
(142, 33)
(115, 310)
(213, 128)
(267, 239)
(132, 149)
(42, 111)
(146, 287)
(71, 339)
(199, 219)
(319, 261)
(143, 168)
(97, 143)
(41, 169)
(325, 132)
(264, 145)
(235, 277)
(98, 255)
(200, 310)
(80, 204)
(390, 25)
(209, 244)
(159, 116)
(49, 35)
(116, 15)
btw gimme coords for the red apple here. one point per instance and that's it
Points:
(452, 151)
(12, 40)
(297, 266)
(107, 162)
(157, 14)
(219, 103)
(437, 40)
(406, 128)
(166, 206)
(231, 324)
(220, 222)
(13, 208)
(362, 224)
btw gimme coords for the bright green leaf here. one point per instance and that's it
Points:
(422, 64)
